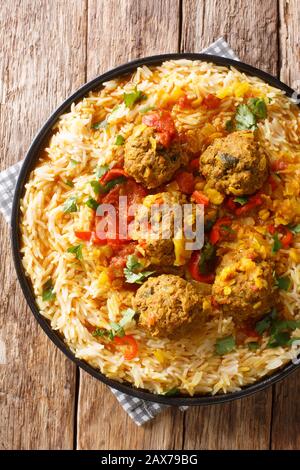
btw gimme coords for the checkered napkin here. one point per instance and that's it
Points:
(139, 410)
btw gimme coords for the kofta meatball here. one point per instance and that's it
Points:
(166, 303)
(149, 162)
(235, 165)
(243, 286)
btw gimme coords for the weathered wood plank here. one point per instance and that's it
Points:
(286, 407)
(42, 61)
(127, 30)
(249, 27)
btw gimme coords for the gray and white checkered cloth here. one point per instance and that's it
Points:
(139, 410)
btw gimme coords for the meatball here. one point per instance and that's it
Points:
(243, 286)
(148, 162)
(157, 252)
(166, 303)
(235, 165)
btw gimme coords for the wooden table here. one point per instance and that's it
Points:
(48, 49)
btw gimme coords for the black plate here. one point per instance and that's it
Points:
(29, 164)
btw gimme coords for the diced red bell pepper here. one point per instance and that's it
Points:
(113, 174)
(287, 238)
(185, 182)
(211, 101)
(216, 231)
(184, 102)
(194, 269)
(132, 346)
(194, 164)
(279, 165)
(253, 202)
(200, 198)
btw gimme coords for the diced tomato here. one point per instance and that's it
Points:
(211, 101)
(184, 102)
(163, 123)
(287, 238)
(253, 202)
(230, 204)
(90, 236)
(113, 174)
(217, 232)
(119, 259)
(200, 198)
(194, 269)
(194, 165)
(279, 165)
(271, 229)
(185, 182)
(132, 345)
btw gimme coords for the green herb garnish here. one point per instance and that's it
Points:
(253, 345)
(276, 243)
(263, 325)
(208, 256)
(229, 125)
(133, 277)
(225, 345)
(92, 203)
(282, 338)
(117, 330)
(241, 200)
(173, 391)
(48, 293)
(97, 187)
(101, 171)
(283, 282)
(69, 183)
(74, 162)
(294, 229)
(99, 125)
(70, 205)
(112, 183)
(245, 119)
(119, 140)
(128, 315)
(99, 332)
(131, 98)
(258, 107)
(76, 250)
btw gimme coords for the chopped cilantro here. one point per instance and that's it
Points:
(92, 203)
(173, 391)
(74, 162)
(133, 277)
(207, 258)
(241, 200)
(245, 119)
(131, 98)
(69, 183)
(295, 229)
(258, 107)
(101, 170)
(253, 345)
(119, 140)
(76, 250)
(263, 325)
(225, 345)
(283, 282)
(276, 243)
(48, 293)
(229, 125)
(71, 205)
(99, 332)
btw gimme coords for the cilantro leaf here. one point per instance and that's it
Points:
(99, 125)
(48, 293)
(263, 325)
(208, 255)
(276, 243)
(99, 332)
(76, 250)
(131, 98)
(69, 183)
(101, 171)
(131, 276)
(258, 107)
(295, 229)
(97, 187)
(112, 183)
(119, 140)
(70, 205)
(74, 162)
(283, 282)
(117, 330)
(229, 125)
(128, 315)
(245, 119)
(241, 200)
(253, 345)
(92, 203)
(225, 345)
(281, 338)
(173, 391)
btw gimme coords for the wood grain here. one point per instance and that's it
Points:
(289, 35)
(286, 406)
(249, 27)
(42, 61)
(128, 30)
